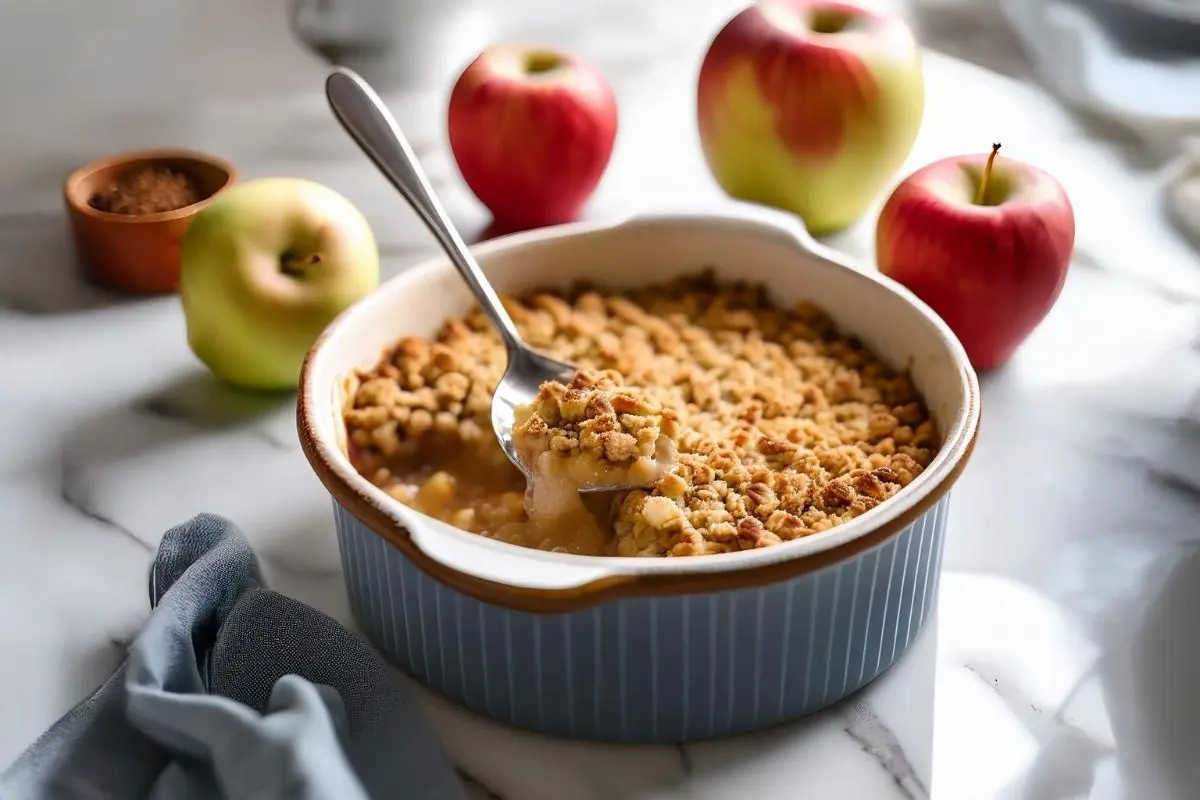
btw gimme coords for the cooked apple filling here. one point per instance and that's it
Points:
(590, 432)
(601, 433)
(742, 424)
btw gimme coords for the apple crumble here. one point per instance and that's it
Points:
(602, 433)
(589, 432)
(748, 424)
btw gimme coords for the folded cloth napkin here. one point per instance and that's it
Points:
(234, 691)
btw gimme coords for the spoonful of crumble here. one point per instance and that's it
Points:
(567, 431)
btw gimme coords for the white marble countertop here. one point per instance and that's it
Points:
(1063, 661)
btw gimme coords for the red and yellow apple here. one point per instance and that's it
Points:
(985, 242)
(264, 269)
(810, 106)
(532, 131)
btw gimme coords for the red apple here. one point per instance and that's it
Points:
(532, 130)
(810, 106)
(986, 242)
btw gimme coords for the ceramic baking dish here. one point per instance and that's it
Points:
(644, 649)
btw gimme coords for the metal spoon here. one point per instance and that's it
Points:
(364, 116)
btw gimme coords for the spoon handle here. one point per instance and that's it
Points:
(367, 120)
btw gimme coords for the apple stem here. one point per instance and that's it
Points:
(987, 173)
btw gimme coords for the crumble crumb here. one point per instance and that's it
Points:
(618, 431)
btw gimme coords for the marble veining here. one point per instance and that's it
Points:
(881, 744)
(1060, 663)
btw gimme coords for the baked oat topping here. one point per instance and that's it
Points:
(784, 426)
(620, 434)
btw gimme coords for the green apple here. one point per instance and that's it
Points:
(264, 269)
(810, 106)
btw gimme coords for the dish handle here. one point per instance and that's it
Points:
(491, 561)
(740, 212)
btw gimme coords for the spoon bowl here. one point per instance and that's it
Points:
(524, 375)
(364, 116)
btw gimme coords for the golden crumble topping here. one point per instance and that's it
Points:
(784, 427)
(621, 434)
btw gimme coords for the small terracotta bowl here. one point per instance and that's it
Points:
(138, 253)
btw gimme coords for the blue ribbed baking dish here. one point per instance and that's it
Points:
(644, 649)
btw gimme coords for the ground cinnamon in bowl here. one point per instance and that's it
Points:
(148, 190)
(129, 212)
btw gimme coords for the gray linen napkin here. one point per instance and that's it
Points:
(234, 691)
